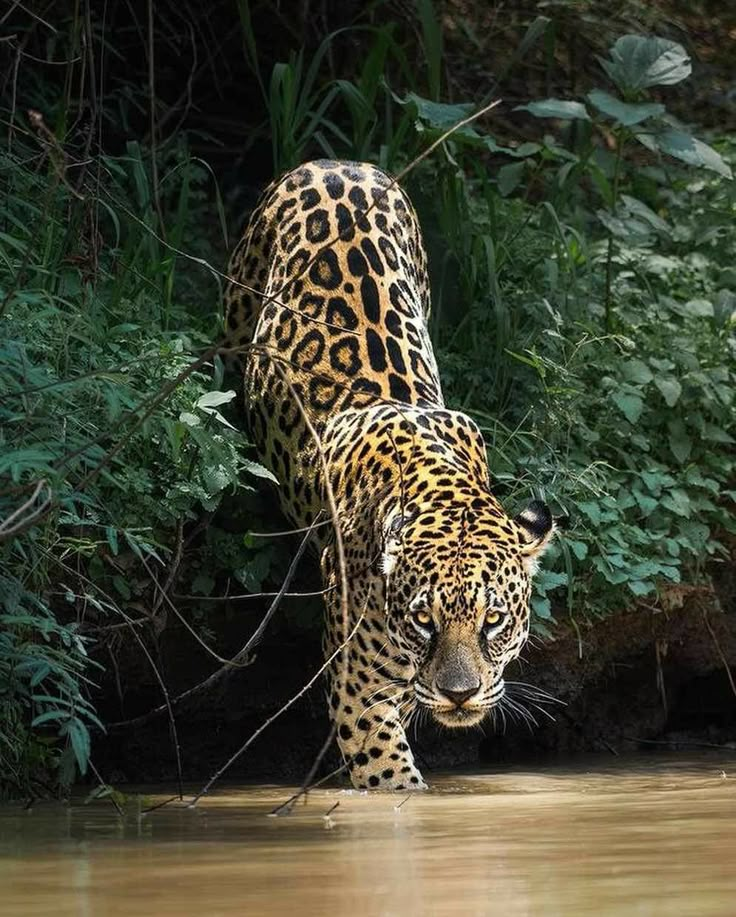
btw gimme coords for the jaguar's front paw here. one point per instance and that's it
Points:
(389, 779)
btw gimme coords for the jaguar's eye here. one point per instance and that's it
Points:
(422, 618)
(493, 622)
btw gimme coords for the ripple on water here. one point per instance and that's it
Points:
(624, 836)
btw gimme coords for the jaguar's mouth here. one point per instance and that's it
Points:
(459, 717)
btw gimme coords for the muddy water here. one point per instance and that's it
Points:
(610, 836)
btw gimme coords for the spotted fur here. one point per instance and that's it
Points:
(438, 575)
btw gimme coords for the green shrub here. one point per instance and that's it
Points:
(103, 460)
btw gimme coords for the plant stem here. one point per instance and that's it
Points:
(620, 143)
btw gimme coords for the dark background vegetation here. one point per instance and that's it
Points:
(582, 255)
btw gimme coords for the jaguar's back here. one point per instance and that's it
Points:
(336, 250)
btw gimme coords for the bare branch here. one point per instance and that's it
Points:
(240, 659)
(289, 703)
(26, 512)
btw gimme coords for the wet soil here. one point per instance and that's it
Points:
(646, 679)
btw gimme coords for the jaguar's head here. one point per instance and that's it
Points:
(457, 583)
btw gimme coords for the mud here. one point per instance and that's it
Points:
(647, 679)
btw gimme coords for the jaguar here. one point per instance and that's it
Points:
(426, 577)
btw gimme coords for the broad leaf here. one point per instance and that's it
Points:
(631, 406)
(639, 209)
(689, 149)
(625, 113)
(678, 501)
(556, 108)
(699, 308)
(578, 548)
(259, 471)
(670, 389)
(214, 399)
(542, 606)
(680, 443)
(509, 177)
(441, 116)
(637, 371)
(637, 63)
(208, 404)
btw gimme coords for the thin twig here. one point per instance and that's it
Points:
(338, 770)
(147, 654)
(304, 528)
(106, 786)
(289, 703)
(30, 13)
(286, 807)
(160, 805)
(8, 526)
(720, 652)
(251, 595)
(164, 596)
(240, 659)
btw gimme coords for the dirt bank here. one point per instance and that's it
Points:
(648, 674)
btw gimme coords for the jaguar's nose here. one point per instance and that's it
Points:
(458, 695)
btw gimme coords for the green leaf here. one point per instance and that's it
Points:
(592, 511)
(641, 587)
(255, 571)
(190, 420)
(631, 406)
(440, 115)
(121, 586)
(542, 606)
(646, 504)
(636, 371)
(670, 389)
(548, 579)
(688, 149)
(556, 108)
(625, 113)
(259, 471)
(639, 209)
(699, 308)
(623, 227)
(637, 63)
(578, 548)
(215, 478)
(49, 717)
(715, 434)
(509, 177)
(680, 443)
(79, 735)
(112, 539)
(678, 501)
(214, 399)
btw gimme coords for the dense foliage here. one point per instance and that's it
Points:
(584, 291)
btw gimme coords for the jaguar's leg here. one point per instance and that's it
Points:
(369, 711)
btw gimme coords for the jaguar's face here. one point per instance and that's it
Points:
(458, 584)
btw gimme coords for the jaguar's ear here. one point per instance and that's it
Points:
(390, 536)
(537, 528)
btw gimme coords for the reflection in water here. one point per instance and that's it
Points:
(655, 837)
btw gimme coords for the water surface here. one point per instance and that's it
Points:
(653, 836)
